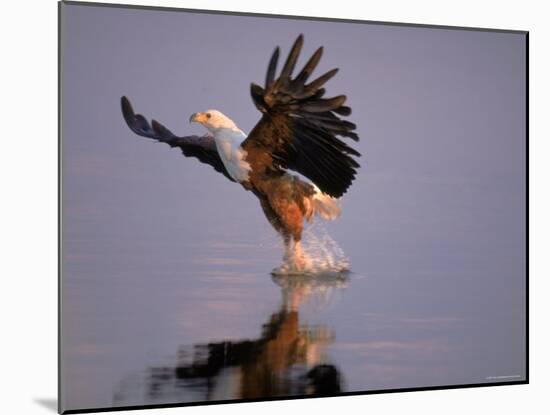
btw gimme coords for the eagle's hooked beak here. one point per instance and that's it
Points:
(197, 117)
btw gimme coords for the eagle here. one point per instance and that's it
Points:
(300, 130)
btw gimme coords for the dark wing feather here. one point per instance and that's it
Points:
(201, 147)
(300, 129)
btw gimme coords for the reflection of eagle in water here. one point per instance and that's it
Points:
(298, 131)
(289, 357)
(285, 360)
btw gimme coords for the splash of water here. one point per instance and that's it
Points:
(321, 255)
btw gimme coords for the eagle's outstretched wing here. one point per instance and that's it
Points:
(299, 128)
(201, 147)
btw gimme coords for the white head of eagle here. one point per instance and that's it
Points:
(213, 120)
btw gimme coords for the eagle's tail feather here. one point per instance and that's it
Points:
(325, 206)
(322, 205)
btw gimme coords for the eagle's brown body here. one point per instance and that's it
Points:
(286, 202)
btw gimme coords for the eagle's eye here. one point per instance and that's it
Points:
(208, 115)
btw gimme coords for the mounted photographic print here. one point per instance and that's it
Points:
(259, 207)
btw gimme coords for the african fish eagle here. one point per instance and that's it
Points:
(298, 131)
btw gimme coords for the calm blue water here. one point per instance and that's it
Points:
(164, 322)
